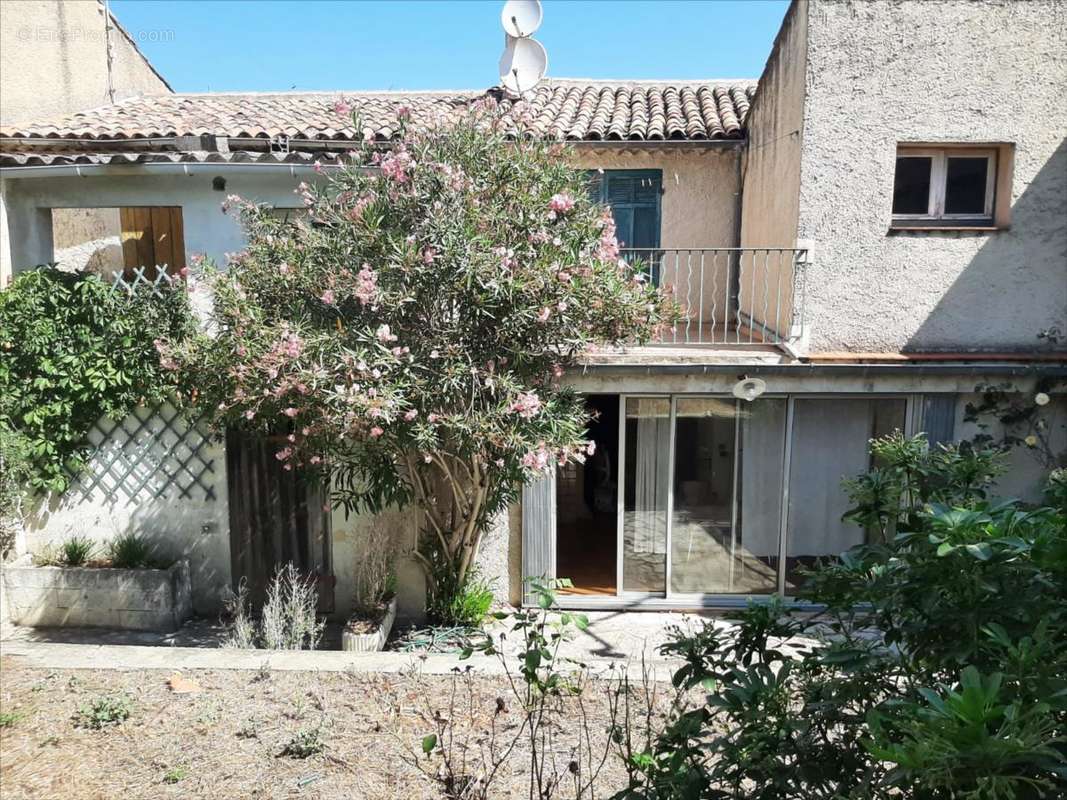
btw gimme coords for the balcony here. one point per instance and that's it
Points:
(730, 295)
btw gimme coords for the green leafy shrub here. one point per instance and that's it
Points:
(74, 350)
(132, 551)
(8, 719)
(77, 550)
(457, 603)
(175, 775)
(16, 468)
(306, 743)
(936, 668)
(102, 712)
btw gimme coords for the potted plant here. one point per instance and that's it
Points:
(374, 603)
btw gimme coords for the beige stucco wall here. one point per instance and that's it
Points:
(771, 174)
(699, 209)
(775, 130)
(53, 60)
(879, 73)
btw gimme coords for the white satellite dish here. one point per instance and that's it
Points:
(523, 64)
(749, 388)
(521, 17)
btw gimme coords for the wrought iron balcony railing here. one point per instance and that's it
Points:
(729, 295)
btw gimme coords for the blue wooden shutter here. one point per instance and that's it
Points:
(634, 197)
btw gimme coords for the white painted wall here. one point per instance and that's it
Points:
(122, 491)
(28, 236)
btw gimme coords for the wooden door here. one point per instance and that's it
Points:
(152, 237)
(276, 517)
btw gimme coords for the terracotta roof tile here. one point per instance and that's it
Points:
(566, 110)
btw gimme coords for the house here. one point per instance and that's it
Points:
(859, 239)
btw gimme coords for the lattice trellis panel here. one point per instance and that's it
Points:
(137, 277)
(152, 453)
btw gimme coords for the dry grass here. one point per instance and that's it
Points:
(227, 740)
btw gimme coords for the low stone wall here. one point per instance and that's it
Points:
(134, 599)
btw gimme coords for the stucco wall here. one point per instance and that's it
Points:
(53, 59)
(699, 208)
(775, 130)
(880, 73)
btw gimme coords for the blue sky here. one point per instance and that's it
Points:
(433, 44)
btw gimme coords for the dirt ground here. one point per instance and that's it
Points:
(228, 739)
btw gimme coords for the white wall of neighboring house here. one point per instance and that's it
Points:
(882, 72)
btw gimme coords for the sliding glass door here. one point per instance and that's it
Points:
(644, 501)
(694, 497)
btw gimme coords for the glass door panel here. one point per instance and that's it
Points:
(647, 481)
(831, 442)
(702, 517)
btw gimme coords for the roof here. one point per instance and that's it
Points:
(566, 110)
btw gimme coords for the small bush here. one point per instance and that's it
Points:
(307, 742)
(289, 620)
(77, 550)
(103, 711)
(47, 556)
(175, 775)
(132, 551)
(457, 604)
(9, 718)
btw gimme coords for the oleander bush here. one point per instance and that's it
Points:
(934, 668)
(409, 337)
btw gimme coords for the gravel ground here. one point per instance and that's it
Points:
(226, 739)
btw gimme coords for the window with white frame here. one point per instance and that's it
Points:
(944, 186)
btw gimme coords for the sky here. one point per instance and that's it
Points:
(280, 45)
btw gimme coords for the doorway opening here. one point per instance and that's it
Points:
(587, 506)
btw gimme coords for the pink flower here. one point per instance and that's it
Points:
(282, 455)
(366, 286)
(327, 297)
(428, 255)
(397, 165)
(433, 417)
(561, 203)
(403, 112)
(543, 314)
(375, 432)
(315, 459)
(539, 459)
(290, 412)
(410, 415)
(384, 334)
(527, 405)
(590, 448)
(283, 268)
(250, 414)
(342, 107)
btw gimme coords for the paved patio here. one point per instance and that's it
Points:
(612, 637)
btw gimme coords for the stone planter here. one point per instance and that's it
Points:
(373, 641)
(133, 599)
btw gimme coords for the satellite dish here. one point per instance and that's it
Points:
(521, 17)
(749, 388)
(523, 64)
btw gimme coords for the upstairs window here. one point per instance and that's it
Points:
(946, 187)
(634, 197)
